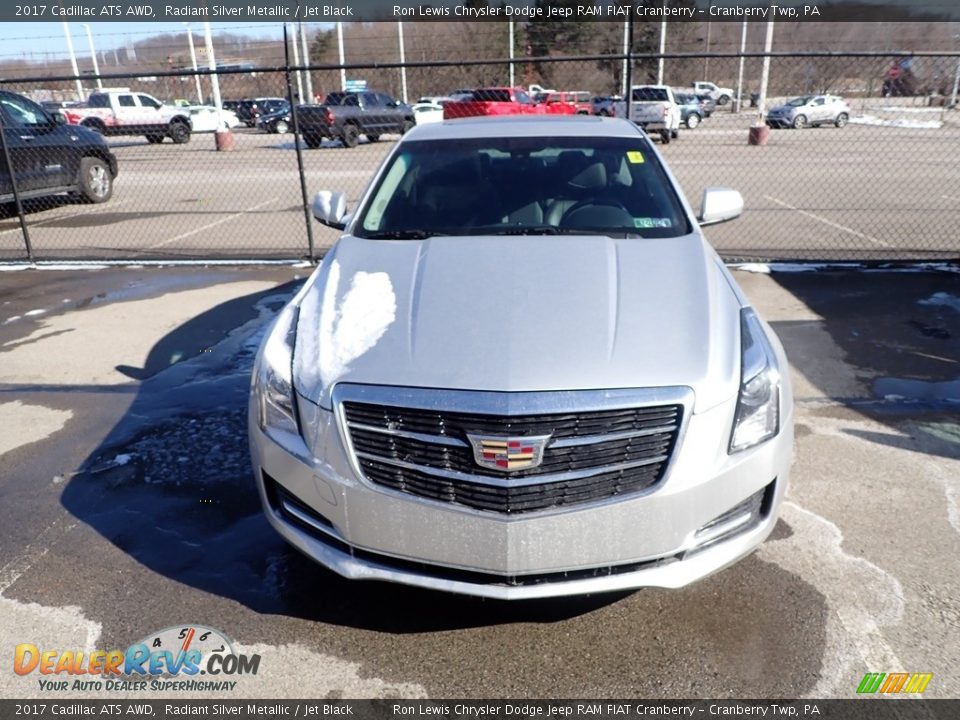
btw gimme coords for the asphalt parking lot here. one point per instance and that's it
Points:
(128, 507)
(867, 191)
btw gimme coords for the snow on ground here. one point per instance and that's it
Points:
(914, 124)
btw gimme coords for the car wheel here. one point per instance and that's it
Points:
(154, 139)
(179, 132)
(408, 125)
(841, 120)
(665, 137)
(96, 182)
(723, 100)
(313, 141)
(373, 138)
(350, 136)
(692, 120)
(281, 127)
(799, 122)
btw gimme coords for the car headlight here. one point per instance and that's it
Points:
(274, 375)
(758, 404)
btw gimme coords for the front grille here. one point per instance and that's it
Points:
(591, 455)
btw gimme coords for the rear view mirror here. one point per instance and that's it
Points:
(330, 208)
(720, 204)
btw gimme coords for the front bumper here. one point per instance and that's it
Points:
(779, 122)
(661, 538)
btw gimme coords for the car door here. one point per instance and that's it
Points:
(818, 109)
(393, 113)
(41, 151)
(150, 111)
(125, 109)
(373, 118)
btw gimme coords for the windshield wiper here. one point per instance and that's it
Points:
(402, 235)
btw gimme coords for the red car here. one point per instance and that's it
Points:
(502, 101)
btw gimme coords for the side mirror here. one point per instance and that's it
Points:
(719, 204)
(330, 208)
(58, 118)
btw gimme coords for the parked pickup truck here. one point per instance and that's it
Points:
(347, 116)
(121, 112)
(720, 95)
(654, 108)
(581, 100)
(503, 101)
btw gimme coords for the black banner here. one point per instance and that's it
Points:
(873, 708)
(482, 10)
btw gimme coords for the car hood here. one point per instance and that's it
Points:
(527, 313)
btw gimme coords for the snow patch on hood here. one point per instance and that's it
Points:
(367, 309)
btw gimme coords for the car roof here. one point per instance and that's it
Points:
(526, 126)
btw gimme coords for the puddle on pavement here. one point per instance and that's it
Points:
(922, 393)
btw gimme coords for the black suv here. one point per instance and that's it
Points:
(50, 157)
(251, 109)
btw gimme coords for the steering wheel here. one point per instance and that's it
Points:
(597, 212)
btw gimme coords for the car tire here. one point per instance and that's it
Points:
(692, 121)
(665, 137)
(95, 181)
(841, 120)
(281, 127)
(373, 138)
(408, 125)
(723, 100)
(350, 136)
(799, 122)
(312, 141)
(179, 132)
(154, 139)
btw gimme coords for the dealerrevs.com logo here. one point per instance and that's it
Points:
(894, 683)
(169, 660)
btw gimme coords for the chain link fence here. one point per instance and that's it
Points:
(882, 183)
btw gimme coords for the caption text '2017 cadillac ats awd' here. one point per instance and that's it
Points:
(522, 372)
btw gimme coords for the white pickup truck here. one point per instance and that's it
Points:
(720, 95)
(122, 112)
(653, 108)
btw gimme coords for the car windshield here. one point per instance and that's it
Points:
(523, 185)
(799, 101)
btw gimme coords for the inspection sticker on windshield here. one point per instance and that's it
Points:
(635, 156)
(646, 222)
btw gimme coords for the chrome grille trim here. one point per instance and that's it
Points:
(594, 439)
(509, 481)
(423, 437)
(421, 430)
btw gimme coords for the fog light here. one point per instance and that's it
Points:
(733, 521)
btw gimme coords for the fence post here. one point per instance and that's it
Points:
(311, 250)
(16, 193)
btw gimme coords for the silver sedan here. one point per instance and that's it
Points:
(522, 372)
(809, 111)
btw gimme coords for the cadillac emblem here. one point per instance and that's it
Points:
(508, 454)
